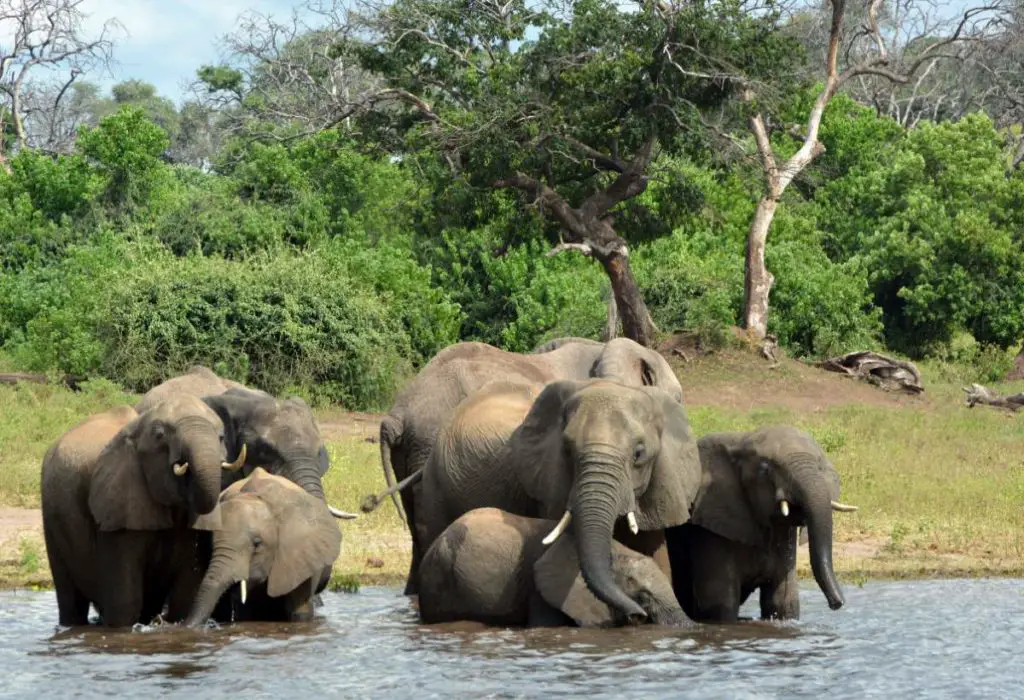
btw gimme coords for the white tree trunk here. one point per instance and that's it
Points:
(757, 284)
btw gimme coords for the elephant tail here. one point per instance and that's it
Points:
(371, 502)
(390, 435)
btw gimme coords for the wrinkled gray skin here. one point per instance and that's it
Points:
(198, 381)
(116, 516)
(738, 540)
(596, 448)
(490, 566)
(282, 436)
(270, 533)
(426, 403)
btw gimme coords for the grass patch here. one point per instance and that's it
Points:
(940, 486)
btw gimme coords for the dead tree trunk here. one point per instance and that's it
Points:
(758, 280)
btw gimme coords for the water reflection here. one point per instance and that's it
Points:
(891, 640)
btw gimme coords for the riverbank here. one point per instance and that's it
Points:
(940, 487)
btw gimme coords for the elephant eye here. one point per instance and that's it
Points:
(257, 541)
(765, 467)
(639, 452)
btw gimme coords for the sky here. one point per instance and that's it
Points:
(164, 41)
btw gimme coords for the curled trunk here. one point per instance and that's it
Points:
(595, 511)
(305, 471)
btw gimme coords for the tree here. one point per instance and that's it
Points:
(865, 54)
(572, 120)
(45, 34)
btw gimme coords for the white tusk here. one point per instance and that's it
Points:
(631, 519)
(559, 528)
(238, 463)
(341, 515)
(180, 469)
(842, 507)
(784, 507)
(245, 592)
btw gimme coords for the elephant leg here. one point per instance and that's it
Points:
(187, 576)
(72, 605)
(780, 600)
(409, 505)
(121, 557)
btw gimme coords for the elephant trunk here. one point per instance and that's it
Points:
(818, 508)
(204, 456)
(226, 568)
(596, 507)
(305, 471)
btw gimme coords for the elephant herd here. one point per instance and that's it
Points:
(204, 488)
(559, 487)
(566, 487)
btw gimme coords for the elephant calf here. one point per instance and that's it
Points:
(493, 567)
(757, 489)
(269, 532)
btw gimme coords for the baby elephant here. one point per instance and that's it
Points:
(494, 567)
(271, 534)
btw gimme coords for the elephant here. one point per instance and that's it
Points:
(425, 404)
(491, 566)
(556, 343)
(758, 488)
(198, 381)
(597, 453)
(119, 492)
(281, 435)
(269, 534)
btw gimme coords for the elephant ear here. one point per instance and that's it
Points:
(118, 496)
(308, 536)
(676, 476)
(722, 505)
(547, 478)
(557, 577)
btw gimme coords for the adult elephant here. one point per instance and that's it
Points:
(119, 492)
(420, 410)
(493, 567)
(758, 489)
(593, 452)
(198, 381)
(269, 534)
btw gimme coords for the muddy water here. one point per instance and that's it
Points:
(930, 639)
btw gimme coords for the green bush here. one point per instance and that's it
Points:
(269, 322)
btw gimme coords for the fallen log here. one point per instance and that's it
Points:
(977, 394)
(887, 373)
(12, 378)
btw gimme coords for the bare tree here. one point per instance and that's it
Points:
(866, 53)
(283, 79)
(45, 35)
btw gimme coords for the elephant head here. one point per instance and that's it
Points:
(628, 362)
(166, 461)
(281, 436)
(595, 451)
(776, 475)
(557, 579)
(265, 529)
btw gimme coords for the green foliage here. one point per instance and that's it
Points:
(271, 322)
(126, 146)
(935, 223)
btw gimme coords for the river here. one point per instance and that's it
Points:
(952, 639)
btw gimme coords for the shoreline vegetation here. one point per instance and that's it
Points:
(940, 487)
